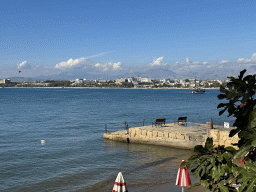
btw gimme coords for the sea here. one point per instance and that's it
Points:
(51, 139)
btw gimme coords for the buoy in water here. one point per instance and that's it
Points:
(42, 141)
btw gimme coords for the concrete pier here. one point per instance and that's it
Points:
(174, 135)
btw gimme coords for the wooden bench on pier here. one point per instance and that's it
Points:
(158, 122)
(182, 120)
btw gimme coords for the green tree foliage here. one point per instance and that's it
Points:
(213, 165)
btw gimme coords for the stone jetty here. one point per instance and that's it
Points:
(174, 135)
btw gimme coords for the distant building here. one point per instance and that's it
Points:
(79, 81)
(145, 80)
(130, 80)
(170, 82)
(5, 81)
(185, 82)
(101, 81)
(90, 82)
(119, 81)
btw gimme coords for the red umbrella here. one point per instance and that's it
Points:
(183, 179)
(120, 185)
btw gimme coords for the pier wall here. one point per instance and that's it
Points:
(172, 138)
(221, 137)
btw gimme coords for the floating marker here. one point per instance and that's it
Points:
(42, 141)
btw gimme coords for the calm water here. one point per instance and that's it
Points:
(72, 122)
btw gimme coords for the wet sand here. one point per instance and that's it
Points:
(159, 178)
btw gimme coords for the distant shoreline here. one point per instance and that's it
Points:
(100, 88)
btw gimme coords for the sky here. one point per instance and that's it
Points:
(116, 38)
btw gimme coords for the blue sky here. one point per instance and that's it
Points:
(107, 38)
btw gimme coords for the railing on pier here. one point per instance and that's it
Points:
(125, 125)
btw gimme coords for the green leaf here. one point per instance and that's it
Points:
(222, 96)
(190, 165)
(233, 132)
(223, 188)
(231, 78)
(193, 157)
(204, 183)
(222, 89)
(209, 144)
(237, 169)
(193, 185)
(209, 167)
(226, 168)
(216, 175)
(245, 111)
(232, 150)
(241, 188)
(222, 111)
(254, 143)
(242, 74)
(194, 170)
(221, 105)
(212, 159)
(245, 98)
(251, 166)
(246, 134)
(242, 151)
(199, 148)
(183, 164)
(251, 184)
(231, 110)
(214, 186)
(196, 175)
(220, 158)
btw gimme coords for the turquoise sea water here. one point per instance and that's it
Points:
(72, 122)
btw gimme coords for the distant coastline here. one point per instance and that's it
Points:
(105, 88)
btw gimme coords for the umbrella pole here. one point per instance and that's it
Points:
(182, 189)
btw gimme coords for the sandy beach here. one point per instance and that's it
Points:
(161, 187)
(159, 178)
(147, 179)
(167, 187)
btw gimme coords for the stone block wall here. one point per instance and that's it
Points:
(221, 137)
(173, 139)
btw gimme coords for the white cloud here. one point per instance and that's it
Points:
(71, 63)
(254, 57)
(243, 60)
(24, 65)
(116, 65)
(224, 61)
(158, 62)
(110, 65)
(187, 67)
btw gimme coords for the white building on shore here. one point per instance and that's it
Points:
(5, 81)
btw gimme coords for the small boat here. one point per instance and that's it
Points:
(197, 90)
